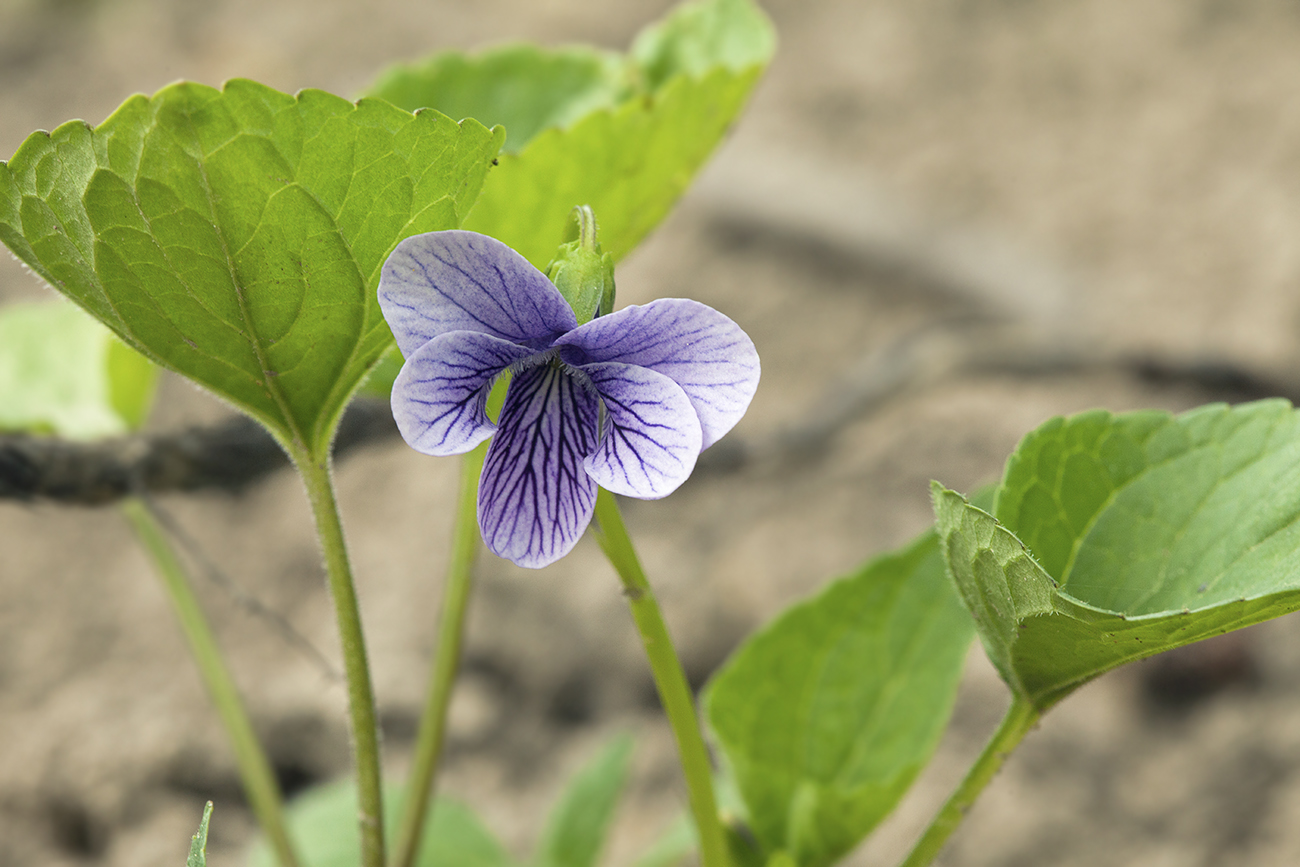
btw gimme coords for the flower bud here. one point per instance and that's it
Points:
(583, 274)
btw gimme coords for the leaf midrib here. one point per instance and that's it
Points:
(297, 443)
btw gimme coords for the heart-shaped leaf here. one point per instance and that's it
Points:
(827, 714)
(1124, 536)
(63, 373)
(236, 235)
(625, 138)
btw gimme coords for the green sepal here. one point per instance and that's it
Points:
(583, 272)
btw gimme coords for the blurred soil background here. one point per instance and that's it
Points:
(942, 222)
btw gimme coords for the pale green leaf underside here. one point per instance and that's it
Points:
(236, 236)
(524, 88)
(1152, 531)
(63, 373)
(323, 824)
(622, 135)
(579, 822)
(827, 715)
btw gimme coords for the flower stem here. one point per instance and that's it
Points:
(446, 662)
(674, 691)
(254, 769)
(315, 473)
(1019, 719)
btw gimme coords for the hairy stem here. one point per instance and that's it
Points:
(674, 691)
(1019, 719)
(255, 772)
(446, 662)
(315, 473)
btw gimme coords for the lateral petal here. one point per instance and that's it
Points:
(695, 346)
(651, 435)
(463, 281)
(439, 397)
(534, 497)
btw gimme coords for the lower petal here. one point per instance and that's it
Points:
(439, 396)
(652, 435)
(695, 346)
(535, 499)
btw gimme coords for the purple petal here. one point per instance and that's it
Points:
(651, 436)
(534, 498)
(695, 346)
(440, 394)
(463, 281)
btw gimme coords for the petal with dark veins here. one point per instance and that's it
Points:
(651, 435)
(463, 281)
(535, 499)
(440, 395)
(695, 346)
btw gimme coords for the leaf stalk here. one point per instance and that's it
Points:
(315, 473)
(255, 772)
(1020, 718)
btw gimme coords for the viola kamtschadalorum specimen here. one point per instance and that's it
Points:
(626, 401)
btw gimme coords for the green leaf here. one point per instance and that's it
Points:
(236, 236)
(579, 822)
(198, 856)
(826, 715)
(1125, 536)
(622, 135)
(672, 846)
(63, 373)
(632, 162)
(323, 823)
(697, 38)
(522, 87)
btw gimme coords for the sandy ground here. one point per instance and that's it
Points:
(1127, 172)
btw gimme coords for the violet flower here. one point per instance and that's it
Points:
(626, 401)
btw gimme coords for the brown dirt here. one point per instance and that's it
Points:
(1143, 151)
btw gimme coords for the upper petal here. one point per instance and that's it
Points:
(651, 434)
(704, 352)
(534, 498)
(439, 397)
(463, 281)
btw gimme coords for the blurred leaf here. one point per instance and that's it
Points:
(323, 823)
(198, 856)
(827, 714)
(671, 848)
(236, 236)
(579, 822)
(379, 383)
(697, 38)
(522, 87)
(625, 137)
(1125, 536)
(63, 373)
